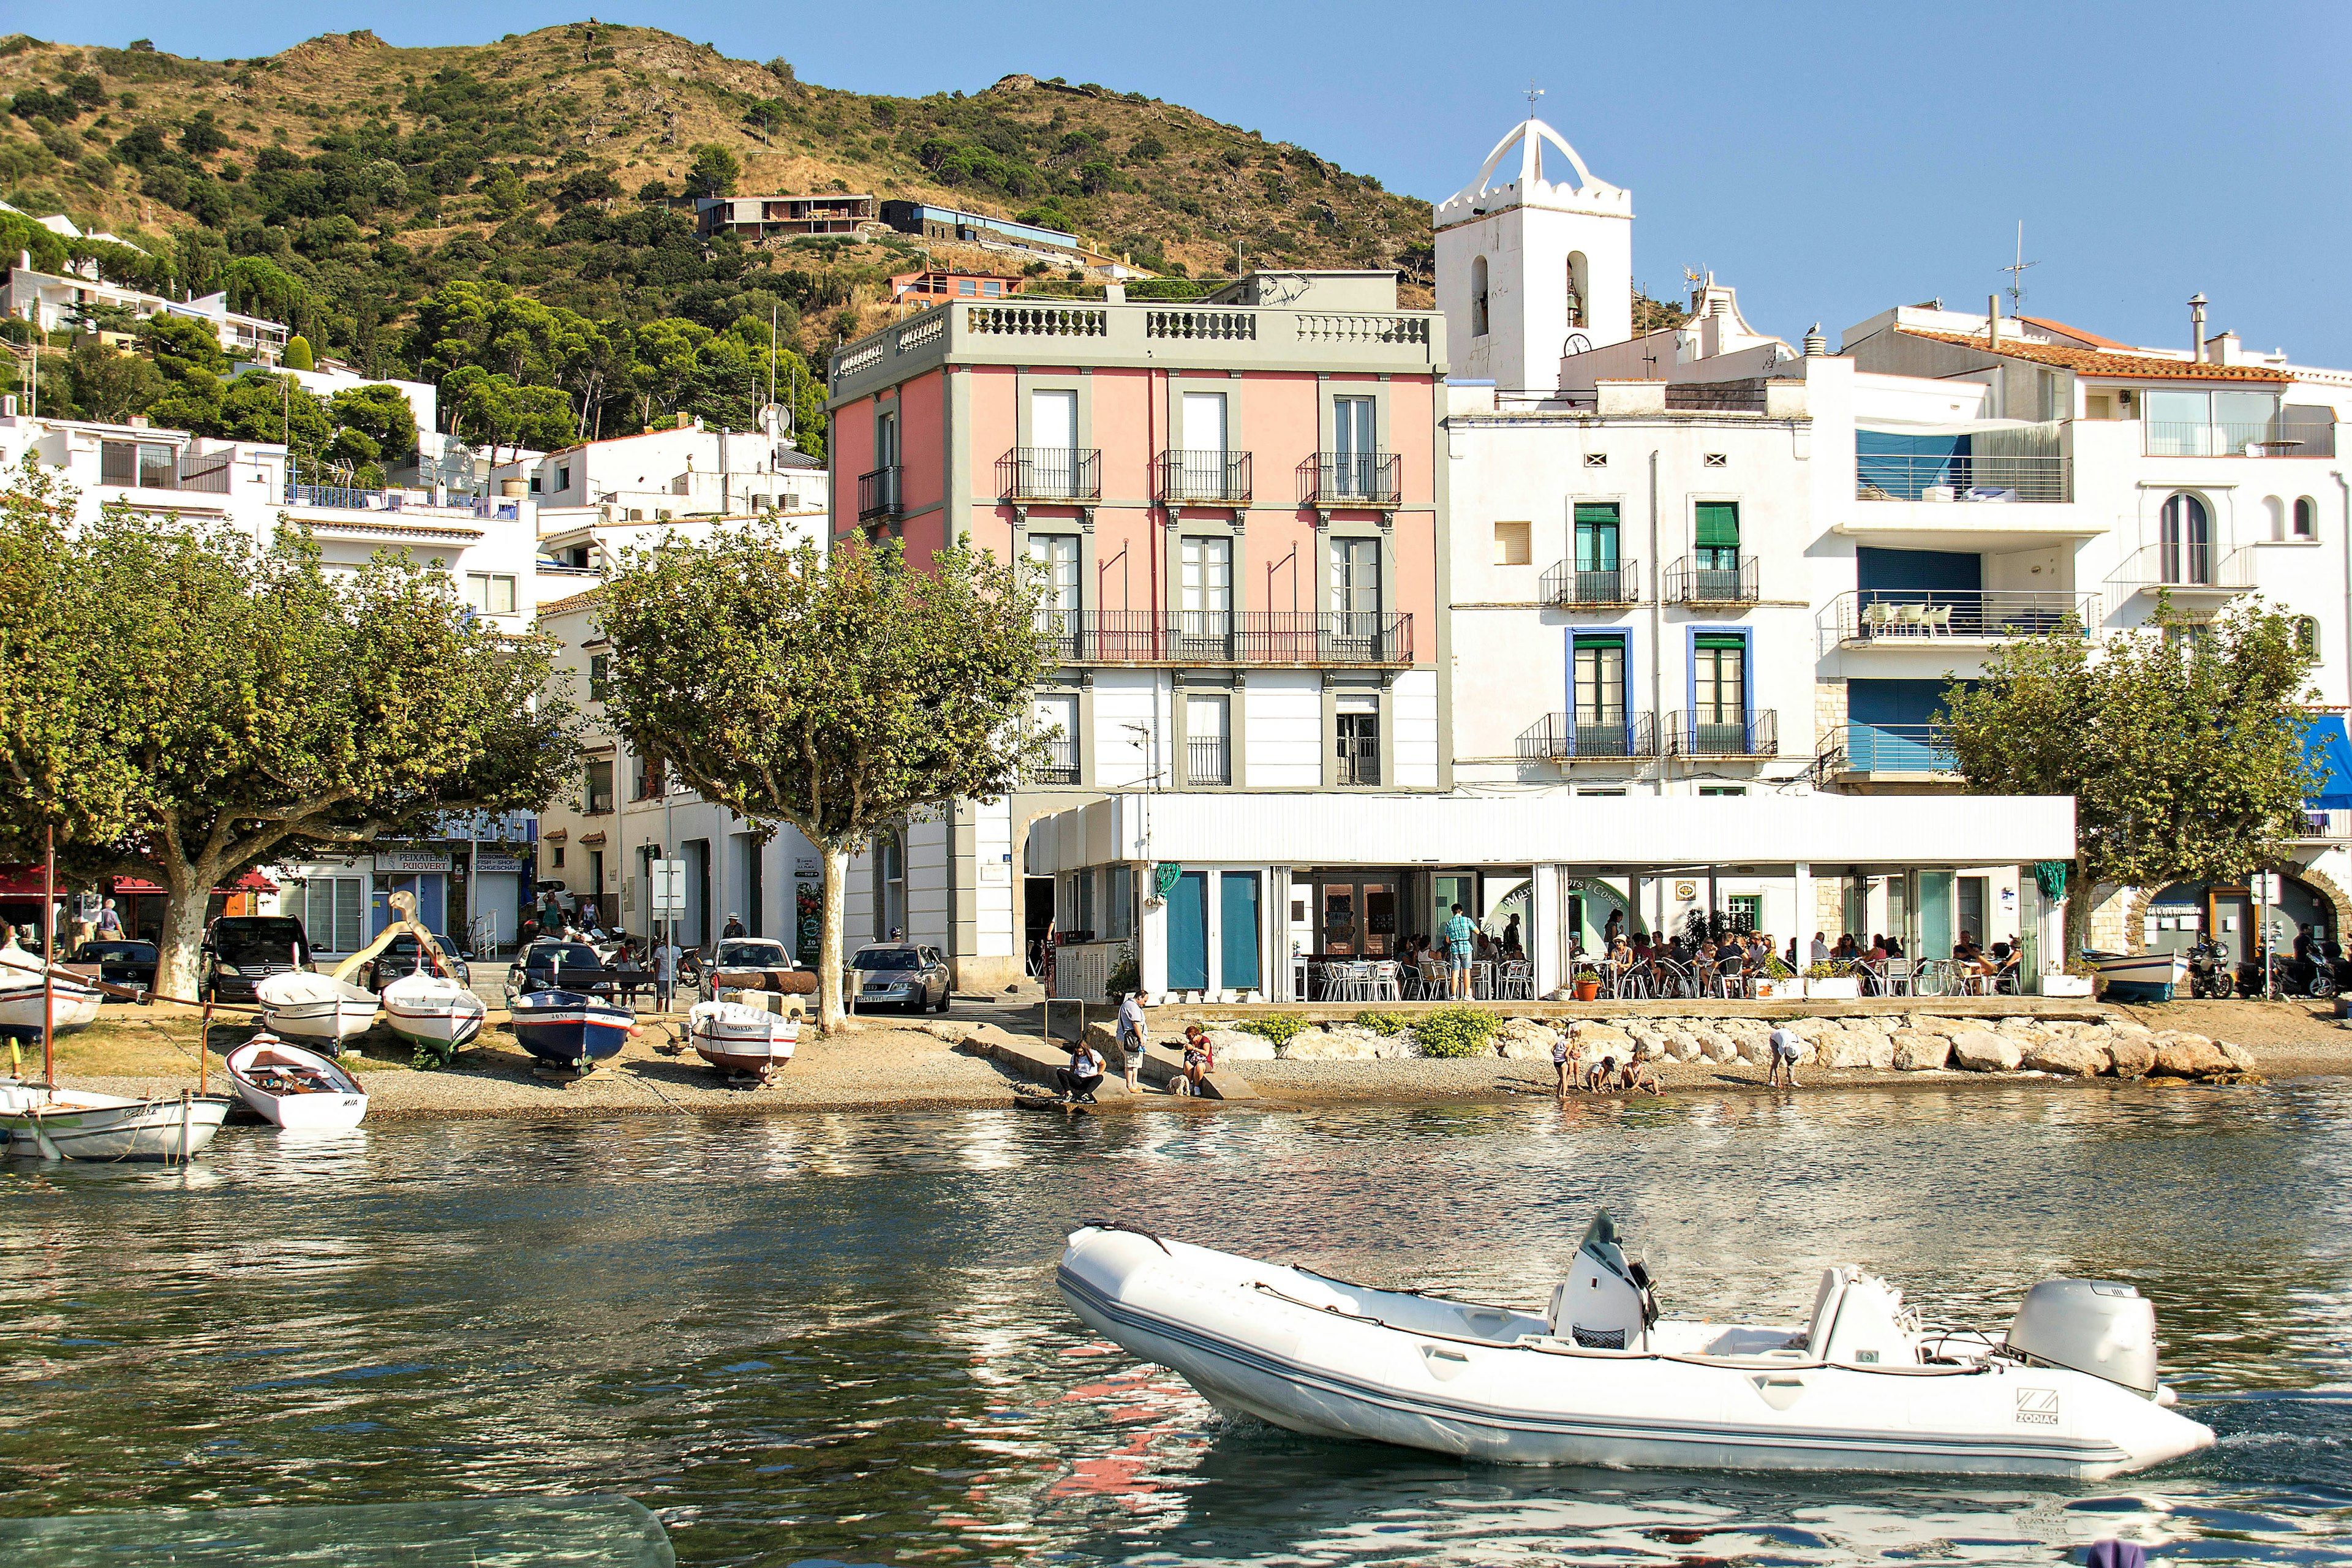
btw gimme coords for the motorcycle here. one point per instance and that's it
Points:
(2210, 975)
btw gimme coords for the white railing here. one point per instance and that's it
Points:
(855, 361)
(1364, 328)
(1210, 324)
(1039, 320)
(921, 330)
(1903, 615)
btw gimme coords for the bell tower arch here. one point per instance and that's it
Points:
(1524, 262)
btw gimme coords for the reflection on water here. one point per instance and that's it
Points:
(836, 1336)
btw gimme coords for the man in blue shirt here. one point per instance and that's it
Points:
(1460, 936)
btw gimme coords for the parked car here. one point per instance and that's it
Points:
(121, 962)
(541, 967)
(911, 977)
(241, 951)
(739, 952)
(404, 956)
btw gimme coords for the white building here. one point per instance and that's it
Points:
(689, 470)
(49, 300)
(469, 875)
(598, 843)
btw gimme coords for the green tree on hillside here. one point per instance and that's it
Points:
(713, 171)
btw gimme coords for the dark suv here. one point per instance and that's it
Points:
(241, 951)
(404, 956)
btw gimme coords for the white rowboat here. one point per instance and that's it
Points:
(294, 1088)
(1599, 1379)
(38, 1122)
(71, 1004)
(740, 1039)
(435, 1014)
(302, 1005)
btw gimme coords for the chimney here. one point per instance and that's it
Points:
(1816, 345)
(686, 421)
(1113, 293)
(2197, 329)
(1992, 320)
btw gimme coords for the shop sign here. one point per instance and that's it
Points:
(485, 864)
(410, 862)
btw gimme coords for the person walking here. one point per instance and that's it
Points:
(1785, 1045)
(666, 957)
(109, 924)
(1130, 1036)
(734, 927)
(1461, 940)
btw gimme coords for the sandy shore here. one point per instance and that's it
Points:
(886, 1063)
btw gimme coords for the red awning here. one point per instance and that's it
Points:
(250, 883)
(18, 882)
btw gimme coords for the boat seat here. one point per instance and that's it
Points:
(1826, 1298)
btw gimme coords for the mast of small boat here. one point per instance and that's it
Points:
(48, 956)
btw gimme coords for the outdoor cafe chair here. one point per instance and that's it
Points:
(1674, 980)
(1911, 619)
(1518, 982)
(1388, 984)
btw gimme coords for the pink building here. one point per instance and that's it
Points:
(1239, 504)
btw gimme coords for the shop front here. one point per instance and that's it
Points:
(1240, 899)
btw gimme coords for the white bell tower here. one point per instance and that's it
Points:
(1525, 267)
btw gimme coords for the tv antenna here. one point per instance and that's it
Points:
(2016, 270)
(1533, 93)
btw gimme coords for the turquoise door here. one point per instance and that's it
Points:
(1187, 932)
(1237, 935)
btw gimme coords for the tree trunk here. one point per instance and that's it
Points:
(829, 944)
(2081, 895)
(183, 933)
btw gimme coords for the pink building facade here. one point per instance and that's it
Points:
(1240, 505)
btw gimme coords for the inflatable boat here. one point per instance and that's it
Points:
(1599, 1378)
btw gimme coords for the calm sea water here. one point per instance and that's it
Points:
(836, 1337)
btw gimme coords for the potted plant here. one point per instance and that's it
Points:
(1587, 984)
(1823, 982)
(1778, 983)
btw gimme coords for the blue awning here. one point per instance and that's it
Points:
(2327, 751)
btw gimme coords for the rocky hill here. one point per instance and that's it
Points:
(367, 176)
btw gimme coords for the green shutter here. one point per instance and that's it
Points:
(1596, 511)
(1721, 639)
(1718, 524)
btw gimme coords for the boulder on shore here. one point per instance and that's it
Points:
(1915, 1050)
(2130, 1054)
(2182, 1054)
(1238, 1046)
(2067, 1054)
(1981, 1050)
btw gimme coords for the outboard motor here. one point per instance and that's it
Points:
(2098, 1327)
(1605, 1303)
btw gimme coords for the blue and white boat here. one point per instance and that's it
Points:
(570, 1028)
(2139, 976)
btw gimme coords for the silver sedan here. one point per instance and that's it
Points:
(901, 974)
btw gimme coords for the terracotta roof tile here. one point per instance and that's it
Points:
(2095, 361)
(2089, 340)
(559, 607)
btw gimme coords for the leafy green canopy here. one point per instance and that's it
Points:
(841, 694)
(176, 699)
(2177, 740)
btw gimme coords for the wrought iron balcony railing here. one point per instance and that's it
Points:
(1208, 761)
(1723, 733)
(1590, 737)
(1061, 763)
(1050, 474)
(1212, 478)
(877, 495)
(1571, 586)
(1349, 478)
(1228, 637)
(1690, 583)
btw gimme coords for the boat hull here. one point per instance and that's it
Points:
(570, 1028)
(73, 1125)
(1265, 1341)
(335, 1105)
(71, 1007)
(738, 1039)
(439, 1017)
(301, 1005)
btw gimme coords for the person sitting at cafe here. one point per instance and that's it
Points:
(1510, 942)
(1084, 1075)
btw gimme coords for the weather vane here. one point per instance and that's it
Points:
(1534, 92)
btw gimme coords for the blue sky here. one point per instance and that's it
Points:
(1828, 160)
